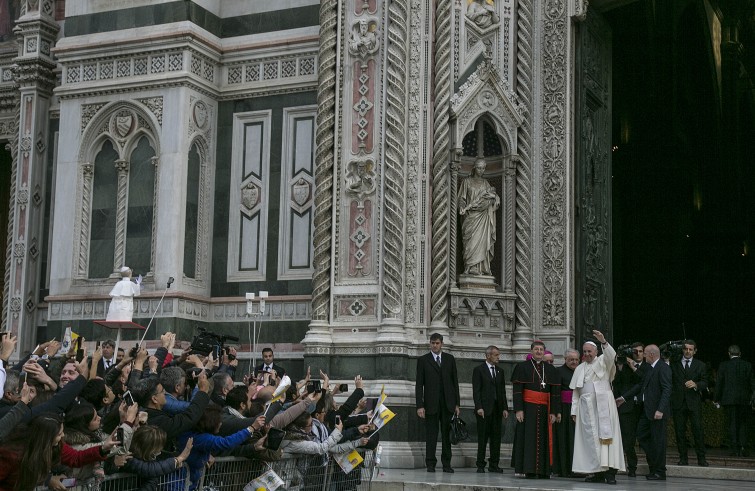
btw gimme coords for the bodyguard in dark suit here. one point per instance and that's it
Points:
(268, 364)
(655, 391)
(689, 382)
(437, 395)
(735, 387)
(489, 394)
(630, 372)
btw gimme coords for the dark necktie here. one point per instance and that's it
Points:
(437, 360)
(686, 365)
(492, 373)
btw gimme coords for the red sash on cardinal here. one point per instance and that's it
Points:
(544, 399)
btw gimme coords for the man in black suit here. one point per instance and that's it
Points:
(735, 388)
(629, 372)
(108, 358)
(655, 391)
(489, 394)
(268, 364)
(689, 383)
(437, 394)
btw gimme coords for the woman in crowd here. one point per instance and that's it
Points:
(28, 456)
(82, 431)
(147, 461)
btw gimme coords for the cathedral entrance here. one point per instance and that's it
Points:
(683, 182)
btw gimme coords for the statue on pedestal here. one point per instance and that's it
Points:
(123, 293)
(478, 203)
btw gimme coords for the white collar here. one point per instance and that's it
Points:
(489, 365)
(653, 364)
(685, 360)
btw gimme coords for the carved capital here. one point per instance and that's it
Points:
(122, 166)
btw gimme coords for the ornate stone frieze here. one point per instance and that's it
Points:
(554, 155)
(414, 145)
(155, 105)
(355, 308)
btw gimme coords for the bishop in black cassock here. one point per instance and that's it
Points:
(537, 397)
(563, 430)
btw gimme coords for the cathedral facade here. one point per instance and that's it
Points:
(313, 150)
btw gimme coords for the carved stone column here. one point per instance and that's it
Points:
(453, 282)
(509, 231)
(119, 259)
(36, 32)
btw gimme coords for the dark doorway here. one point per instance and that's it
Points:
(683, 178)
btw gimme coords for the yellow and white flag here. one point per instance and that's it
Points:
(382, 416)
(349, 460)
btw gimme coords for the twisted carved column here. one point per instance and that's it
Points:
(87, 171)
(523, 225)
(121, 166)
(395, 156)
(440, 211)
(324, 155)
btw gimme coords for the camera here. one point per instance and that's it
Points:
(133, 351)
(672, 350)
(623, 352)
(314, 386)
(206, 342)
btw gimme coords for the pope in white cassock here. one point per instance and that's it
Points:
(122, 297)
(597, 442)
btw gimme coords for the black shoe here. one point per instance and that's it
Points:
(448, 470)
(655, 477)
(497, 470)
(481, 470)
(631, 473)
(702, 463)
(430, 469)
(595, 478)
(530, 475)
(610, 479)
(682, 462)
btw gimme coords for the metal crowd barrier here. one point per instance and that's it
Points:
(305, 473)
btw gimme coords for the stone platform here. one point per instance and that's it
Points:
(717, 479)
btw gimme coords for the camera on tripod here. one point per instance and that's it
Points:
(207, 342)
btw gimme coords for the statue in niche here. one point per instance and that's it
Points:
(122, 297)
(482, 13)
(478, 203)
(360, 178)
(363, 40)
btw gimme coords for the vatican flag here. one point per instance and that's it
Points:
(349, 461)
(382, 416)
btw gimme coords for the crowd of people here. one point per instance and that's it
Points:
(584, 418)
(66, 417)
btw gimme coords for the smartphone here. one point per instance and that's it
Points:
(69, 482)
(22, 380)
(119, 435)
(79, 355)
(97, 346)
(343, 388)
(274, 438)
(338, 419)
(128, 398)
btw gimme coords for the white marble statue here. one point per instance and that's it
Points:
(478, 203)
(122, 297)
(482, 13)
(363, 42)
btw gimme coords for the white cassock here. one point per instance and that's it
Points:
(597, 441)
(122, 303)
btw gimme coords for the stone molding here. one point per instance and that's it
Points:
(180, 307)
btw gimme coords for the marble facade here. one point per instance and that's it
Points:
(312, 149)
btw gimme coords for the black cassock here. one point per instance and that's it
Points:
(563, 432)
(531, 452)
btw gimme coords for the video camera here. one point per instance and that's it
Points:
(206, 342)
(672, 350)
(623, 352)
